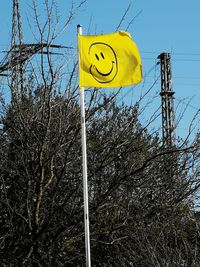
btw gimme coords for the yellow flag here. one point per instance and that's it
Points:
(108, 60)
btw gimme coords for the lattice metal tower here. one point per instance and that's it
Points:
(14, 63)
(167, 96)
(16, 55)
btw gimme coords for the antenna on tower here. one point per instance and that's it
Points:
(167, 96)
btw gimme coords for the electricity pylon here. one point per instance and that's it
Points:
(13, 64)
(16, 63)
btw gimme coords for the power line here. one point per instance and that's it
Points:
(175, 59)
(172, 53)
(182, 77)
(144, 76)
(187, 84)
(186, 104)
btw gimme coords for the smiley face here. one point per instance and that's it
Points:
(104, 66)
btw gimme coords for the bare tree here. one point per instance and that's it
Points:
(140, 194)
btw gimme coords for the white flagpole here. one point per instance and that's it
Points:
(85, 178)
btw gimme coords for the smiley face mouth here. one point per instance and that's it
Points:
(101, 73)
(104, 65)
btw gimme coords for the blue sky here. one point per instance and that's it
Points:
(160, 26)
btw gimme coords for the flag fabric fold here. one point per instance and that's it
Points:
(108, 60)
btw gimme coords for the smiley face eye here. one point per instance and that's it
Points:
(96, 56)
(102, 55)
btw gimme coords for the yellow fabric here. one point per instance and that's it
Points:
(109, 60)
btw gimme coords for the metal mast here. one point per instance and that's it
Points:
(16, 54)
(167, 96)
